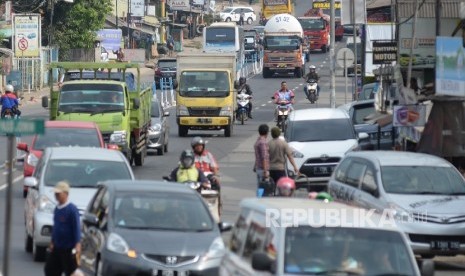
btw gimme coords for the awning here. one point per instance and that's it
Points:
(123, 24)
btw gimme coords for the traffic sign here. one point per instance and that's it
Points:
(23, 44)
(349, 57)
(18, 127)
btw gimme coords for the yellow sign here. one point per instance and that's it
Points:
(26, 30)
(326, 5)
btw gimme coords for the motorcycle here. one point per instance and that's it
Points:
(211, 196)
(242, 107)
(283, 110)
(312, 88)
(9, 114)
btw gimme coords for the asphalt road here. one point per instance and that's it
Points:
(235, 156)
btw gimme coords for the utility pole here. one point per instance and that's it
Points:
(438, 17)
(355, 97)
(128, 18)
(116, 13)
(50, 34)
(332, 59)
(412, 45)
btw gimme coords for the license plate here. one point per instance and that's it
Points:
(204, 120)
(157, 272)
(322, 170)
(282, 65)
(445, 245)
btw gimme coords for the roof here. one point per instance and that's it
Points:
(85, 153)
(449, 8)
(401, 158)
(223, 24)
(148, 186)
(374, 4)
(70, 124)
(96, 81)
(318, 114)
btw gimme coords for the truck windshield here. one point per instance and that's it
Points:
(204, 84)
(287, 43)
(91, 98)
(220, 37)
(312, 24)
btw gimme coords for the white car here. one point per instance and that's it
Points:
(320, 137)
(233, 14)
(82, 168)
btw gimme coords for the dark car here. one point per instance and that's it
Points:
(165, 69)
(251, 48)
(159, 129)
(150, 228)
(359, 112)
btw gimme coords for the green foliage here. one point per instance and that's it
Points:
(75, 25)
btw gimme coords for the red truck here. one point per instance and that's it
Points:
(324, 7)
(316, 29)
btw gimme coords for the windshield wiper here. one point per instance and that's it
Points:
(456, 193)
(107, 111)
(429, 193)
(84, 186)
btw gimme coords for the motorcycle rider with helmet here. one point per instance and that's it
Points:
(286, 186)
(244, 87)
(312, 75)
(205, 161)
(283, 95)
(187, 171)
(9, 101)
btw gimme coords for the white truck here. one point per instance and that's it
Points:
(283, 46)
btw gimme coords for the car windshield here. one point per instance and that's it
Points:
(91, 98)
(327, 250)
(67, 137)
(155, 110)
(161, 211)
(360, 113)
(85, 172)
(220, 37)
(167, 63)
(204, 84)
(422, 180)
(287, 43)
(312, 23)
(328, 130)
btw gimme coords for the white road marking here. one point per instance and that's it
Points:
(269, 101)
(263, 104)
(3, 186)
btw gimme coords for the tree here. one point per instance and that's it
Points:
(75, 25)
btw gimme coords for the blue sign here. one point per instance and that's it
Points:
(110, 38)
(450, 65)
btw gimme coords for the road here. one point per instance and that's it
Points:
(235, 156)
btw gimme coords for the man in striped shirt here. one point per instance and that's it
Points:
(262, 157)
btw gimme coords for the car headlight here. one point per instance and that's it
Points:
(32, 159)
(216, 250)
(155, 127)
(182, 110)
(225, 111)
(117, 244)
(46, 205)
(118, 137)
(297, 154)
(399, 213)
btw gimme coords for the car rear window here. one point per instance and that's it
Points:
(167, 63)
(68, 137)
(155, 109)
(320, 130)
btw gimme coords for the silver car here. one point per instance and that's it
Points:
(425, 195)
(82, 168)
(159, 129)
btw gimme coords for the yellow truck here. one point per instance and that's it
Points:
(274, 7)
(206, 94)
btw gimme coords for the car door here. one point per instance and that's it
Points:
(348, 177)
(33, 198)
(236, 14)
(370, 190)
(337, 186)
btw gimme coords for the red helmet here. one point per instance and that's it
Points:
(286, 186)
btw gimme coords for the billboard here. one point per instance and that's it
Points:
(179, 4)
(325, 5)
(409, 115)
(356, 8)
(110, 39)
(26, 30)
(450, 73)
(137, 8)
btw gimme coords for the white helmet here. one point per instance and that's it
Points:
(9, 88)
(312, 67)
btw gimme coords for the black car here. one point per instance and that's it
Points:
(360, 113)
(251, 48)
(165, 69)
(150, 228)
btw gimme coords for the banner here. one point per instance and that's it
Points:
(348, 10)
(384, 52)
(110, 38)
(325, 6)
(137, 8)
(409, 115)
(450, 73)
(26, 29)
(179, 4)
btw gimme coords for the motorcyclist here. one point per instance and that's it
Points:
(283, 95)
(186, 171)
(245, 88)
(9, 101)
(205, 161)
(286, 186)
(312, 75)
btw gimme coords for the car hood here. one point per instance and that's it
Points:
(174, 243)
(330, 148)
(430, 204)
(155, 120)
(78, 196)
(107, 122)
(371, 128)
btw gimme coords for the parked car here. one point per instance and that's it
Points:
(359, 112)
(425, 193)
(320, 137)
(233, 14)
(159, 130)
(264, 244)
(60, 134)
(82, 168)
(165, 69)
(150, 228)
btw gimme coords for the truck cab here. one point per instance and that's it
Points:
(316, 29)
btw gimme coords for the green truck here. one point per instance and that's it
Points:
(107, 94)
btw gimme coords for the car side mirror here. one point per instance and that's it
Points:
(30, 182)
(44, 101)
(427, 268)
(23, 147)
(166, 114)
(90, 219)
(136, 103)
(224, 226)
(363, 136)
(262, 262)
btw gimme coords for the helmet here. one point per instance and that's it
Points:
(187, 158)
(242, 80)
(9, 88)
(286, 186)
(324, 196)
(197, 141)
(312, 67)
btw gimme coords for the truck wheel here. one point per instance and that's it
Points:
(182, 131)
(298, 72)
(249, 20)
(324, 49)
(228, 130)
(266, 72)
(139, 158)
